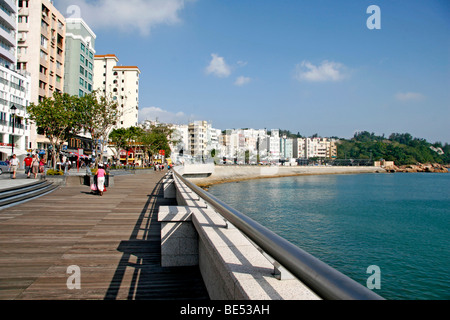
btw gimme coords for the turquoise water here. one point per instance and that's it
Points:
(399, 222)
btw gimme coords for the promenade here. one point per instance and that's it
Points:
(113, 239)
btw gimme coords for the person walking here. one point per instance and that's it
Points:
(14, 164)
(27, 163)
(42, 167)
(101, 179)
(35, 166)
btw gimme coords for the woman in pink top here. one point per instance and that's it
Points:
(101, 179)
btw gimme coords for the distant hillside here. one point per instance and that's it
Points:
(403, 149)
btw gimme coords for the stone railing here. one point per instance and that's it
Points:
(238, 258)
(233, 268)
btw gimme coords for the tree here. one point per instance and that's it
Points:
(98, 114)
(158, 137)
(118, 140)
(56, 118)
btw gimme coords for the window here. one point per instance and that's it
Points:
(83, 47)
(23, 3)
(81, 58)
(44, 55)
(81, 70)
(23, 19)
(44, 41)
(81, 81)
(90, 66)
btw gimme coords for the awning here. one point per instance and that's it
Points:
(17, 152)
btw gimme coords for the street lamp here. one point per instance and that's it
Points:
(13, 112)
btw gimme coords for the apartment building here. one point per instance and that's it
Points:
(197, 134)
(274, 145)
(121, 83)
(14, 88)
(306, 148)
(286, 148)
(79, 58)
(41, 51)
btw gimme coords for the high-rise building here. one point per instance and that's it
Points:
(274, 145)
(79, 58)
(121, 83)
(41, 50)
(41, 46)
(14, 88)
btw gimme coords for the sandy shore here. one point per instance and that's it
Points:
(224, 174)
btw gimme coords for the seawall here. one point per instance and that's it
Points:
(224, 174)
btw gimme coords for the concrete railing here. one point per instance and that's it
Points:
(238, 258)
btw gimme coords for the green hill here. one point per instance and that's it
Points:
(403, 149)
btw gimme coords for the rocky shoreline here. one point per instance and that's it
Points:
(428, 167)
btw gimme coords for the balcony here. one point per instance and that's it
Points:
(10, 4)
(9, 19)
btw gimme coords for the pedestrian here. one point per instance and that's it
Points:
(27, 163)
(14, 164)
(42, 167)
(35, 166)
(101, 179)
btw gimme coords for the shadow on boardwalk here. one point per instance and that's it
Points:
(142, 252)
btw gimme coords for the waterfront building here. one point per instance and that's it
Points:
(198, 142)
(306, 148)
(14, 88)
(274, 145)
(40, 52)
(181, 146)
(121, 83)
(79, 58)
(286, 148)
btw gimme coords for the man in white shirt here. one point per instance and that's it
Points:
(14, 164)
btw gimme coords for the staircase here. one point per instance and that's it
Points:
(19, 194)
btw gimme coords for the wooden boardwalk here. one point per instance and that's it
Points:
(113, 239)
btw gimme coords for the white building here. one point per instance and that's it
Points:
(274, 145)
(14, 128)
(121, 83)
(181, 147)
(14, 88)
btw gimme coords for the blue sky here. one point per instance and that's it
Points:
(301, 65)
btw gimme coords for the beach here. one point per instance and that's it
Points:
(224, 174)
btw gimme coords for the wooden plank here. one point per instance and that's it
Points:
(114, 239)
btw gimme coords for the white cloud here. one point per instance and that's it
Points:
(327, 71)
(409, 96)
(164, 116)
(240, 81)
(241, 63)
(121, 15)
(218, 67)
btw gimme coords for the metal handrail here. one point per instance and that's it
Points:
(325, 281)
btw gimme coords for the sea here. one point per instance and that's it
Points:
(399, 223)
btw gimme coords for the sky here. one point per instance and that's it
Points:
(331, 67)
